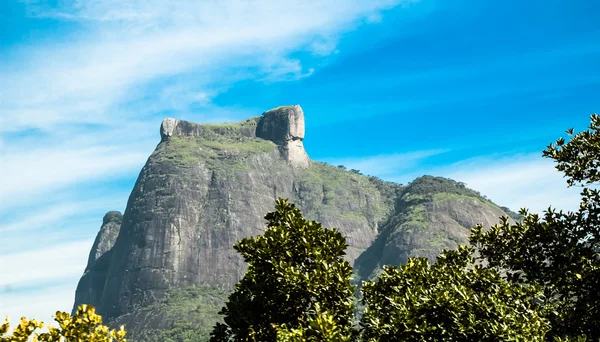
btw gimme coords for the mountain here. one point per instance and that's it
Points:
(165, 267)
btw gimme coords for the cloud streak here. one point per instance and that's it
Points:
(135, 61)
(50, 169)
(136, 42)
(38, 266)
(387, 164)
(41, 304)
(515, 181)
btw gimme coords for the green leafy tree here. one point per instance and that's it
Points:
(86, 325)
(451, 300)
(558, 251)
(297, 282)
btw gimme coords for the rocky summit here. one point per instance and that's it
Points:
(166, 265)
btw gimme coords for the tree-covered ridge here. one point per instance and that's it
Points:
(513, 215)
(431, 214)
(431, 185)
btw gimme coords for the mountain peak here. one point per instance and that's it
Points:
(282, 125)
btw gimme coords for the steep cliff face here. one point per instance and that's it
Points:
(91, 285)
(206, 186)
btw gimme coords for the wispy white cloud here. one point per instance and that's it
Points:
(40, 304)
(36, 283)
(44, 216)
(47, 216)
(42, 265)
(386, 164)
(127, 44)
(515, 181)
(49, 169)
(528, 181)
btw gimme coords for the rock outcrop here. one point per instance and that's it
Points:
(206, 186)
(285, 127)
(282, 124)
(91, 285)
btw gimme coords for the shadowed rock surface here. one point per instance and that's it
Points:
(91, 285)
(168, 268)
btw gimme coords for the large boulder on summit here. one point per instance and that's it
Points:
(282, 124)
(285, 126)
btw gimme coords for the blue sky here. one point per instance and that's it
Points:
(471, 90)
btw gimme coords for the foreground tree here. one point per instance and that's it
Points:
(558, 251)
(297, 283)
(451, 300)
(86, 325)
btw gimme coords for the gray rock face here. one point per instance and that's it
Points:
(285, 126)
(205, 187)
(282, 124)
(91, 285)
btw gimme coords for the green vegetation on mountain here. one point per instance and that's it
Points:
(431, 214)
(429, 186)
(324, 192)
(230, 140)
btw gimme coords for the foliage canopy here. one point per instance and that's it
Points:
(558, 251)
(451, 300)
(296, 279)
(86, 325)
